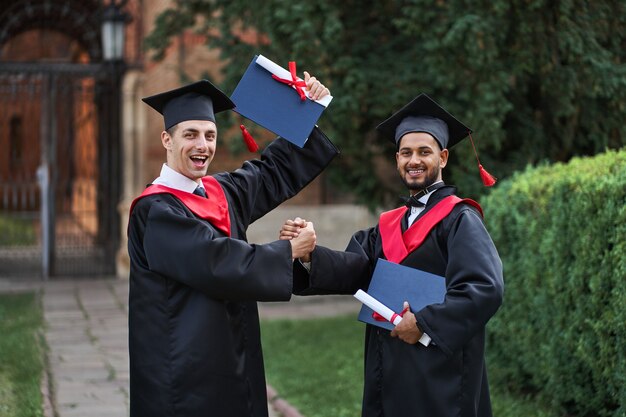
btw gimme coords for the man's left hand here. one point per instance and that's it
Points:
(315, 88)
(407, 329)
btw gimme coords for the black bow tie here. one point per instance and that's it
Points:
(200, 191)
(413, 201)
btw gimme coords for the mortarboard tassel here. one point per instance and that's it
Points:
(488, 179)
(247, 137)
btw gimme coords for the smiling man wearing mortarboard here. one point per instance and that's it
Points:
(194, 338)
(432, 363)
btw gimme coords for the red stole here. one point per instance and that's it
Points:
(214, 208)
(398, 245)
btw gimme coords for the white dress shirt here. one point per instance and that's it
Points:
(176, 180)
(415, 211)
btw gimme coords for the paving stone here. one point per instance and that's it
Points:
(87, 337)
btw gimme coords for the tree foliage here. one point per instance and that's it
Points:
(537, 80)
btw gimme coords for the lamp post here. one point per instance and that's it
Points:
(113, 32)
(113, 27)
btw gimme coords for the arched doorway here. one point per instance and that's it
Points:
(59, 121)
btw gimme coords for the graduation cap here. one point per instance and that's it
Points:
(423, 114)
(197, 101)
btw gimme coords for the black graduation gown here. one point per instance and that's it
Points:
(194, 336)
(447, 378)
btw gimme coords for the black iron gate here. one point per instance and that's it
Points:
(57, 216)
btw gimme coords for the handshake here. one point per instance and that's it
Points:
(302, 236)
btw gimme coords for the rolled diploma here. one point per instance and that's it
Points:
(279, 71)
(377, 306)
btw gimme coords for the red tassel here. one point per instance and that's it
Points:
(488, 179)
(247, 137)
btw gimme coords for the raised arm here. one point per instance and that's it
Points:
(283, 170)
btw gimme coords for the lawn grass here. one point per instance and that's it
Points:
(16, 232)
(317, 366)
(20, 355)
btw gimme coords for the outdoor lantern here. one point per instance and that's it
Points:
(113, 25)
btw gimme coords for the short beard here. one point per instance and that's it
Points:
(428, 181)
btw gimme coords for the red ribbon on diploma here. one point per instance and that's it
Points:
(294, 82)
(378, 317)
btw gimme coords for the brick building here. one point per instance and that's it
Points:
(77, 142)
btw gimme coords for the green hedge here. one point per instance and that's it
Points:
(561, 332)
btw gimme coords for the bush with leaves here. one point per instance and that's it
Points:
(561, 332)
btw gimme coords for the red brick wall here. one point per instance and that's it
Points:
(187, 53)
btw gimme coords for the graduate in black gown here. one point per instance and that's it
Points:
(194, 337)
(432, 364)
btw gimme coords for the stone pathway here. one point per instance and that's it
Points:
(87, 337)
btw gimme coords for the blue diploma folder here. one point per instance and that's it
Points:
(274, 105)
(392, 284)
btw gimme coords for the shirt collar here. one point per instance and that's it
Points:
(425, 197)
(176, 180)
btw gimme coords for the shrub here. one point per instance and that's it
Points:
(561, 332)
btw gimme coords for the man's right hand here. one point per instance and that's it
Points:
(291, 228)
(303, 243)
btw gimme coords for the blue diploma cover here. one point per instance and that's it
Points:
(392, 284)
(274, 105)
